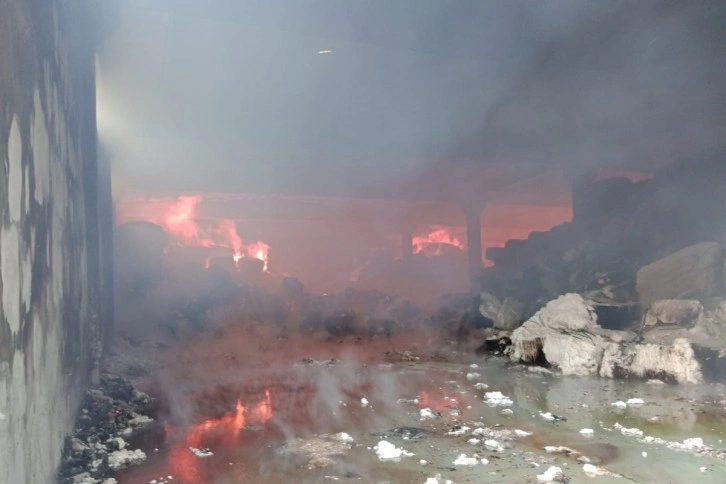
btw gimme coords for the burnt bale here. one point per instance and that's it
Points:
(250, 269)
(341, 324)
(291, 287)
(219, 288)
(695, 272)
(458, 317)
(686, 313)
(265, 307)
(399, 309)
(505, 314)
(380, 327)
(204, 290)
(312, 322)
(495, 346)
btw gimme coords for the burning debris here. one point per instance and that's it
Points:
(437, 240)
(179, 218)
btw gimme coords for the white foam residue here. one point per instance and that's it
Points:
(694, 443)
(426, 413)
(632, 432)
(550, 474)
(497, 399)
(344, 437)
(593, 470)
(464, 460)
(438, 480)
(386, 451)
(493, 445)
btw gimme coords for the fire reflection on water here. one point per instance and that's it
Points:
(223, 432)
(439, 402)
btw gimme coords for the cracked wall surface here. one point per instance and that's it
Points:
(53, 296)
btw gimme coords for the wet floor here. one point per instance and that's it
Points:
(277, 423)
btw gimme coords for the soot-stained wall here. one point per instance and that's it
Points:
(51, 258)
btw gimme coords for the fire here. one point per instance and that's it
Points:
(180, 219)
(433, 242)
(257, 250)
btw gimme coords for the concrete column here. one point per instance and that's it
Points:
(406, 242)
(473, 241)
(581, 186)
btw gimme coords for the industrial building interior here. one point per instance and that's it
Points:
(391, 241)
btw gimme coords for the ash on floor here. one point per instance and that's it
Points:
(109, 412)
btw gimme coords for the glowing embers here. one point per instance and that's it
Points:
(180, 218)
(437, 239)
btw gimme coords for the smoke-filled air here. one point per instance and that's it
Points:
(400, 241)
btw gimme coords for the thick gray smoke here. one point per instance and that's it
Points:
(225, 95)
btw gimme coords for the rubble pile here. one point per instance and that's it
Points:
(110, 412)
(633, 287)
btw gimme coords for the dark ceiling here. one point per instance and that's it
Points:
(226, 95)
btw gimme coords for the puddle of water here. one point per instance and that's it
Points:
(246, 415)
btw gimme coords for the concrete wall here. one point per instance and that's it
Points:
(50, 253)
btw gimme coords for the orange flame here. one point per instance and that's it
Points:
(433, 242)
(179, 218)
(259, 250)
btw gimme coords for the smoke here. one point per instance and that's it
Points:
(226, 96)
(638, 84)
(233, 96)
